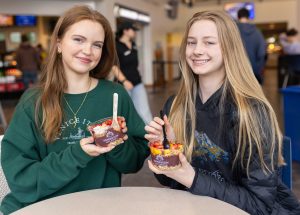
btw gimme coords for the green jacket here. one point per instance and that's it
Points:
(37, 171)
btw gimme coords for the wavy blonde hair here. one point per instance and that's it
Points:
(241, 84)
(53, 81)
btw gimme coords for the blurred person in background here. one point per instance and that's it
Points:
(254, 43)
(290, 42)
(128, 74)
(28, 61)
(42, 54)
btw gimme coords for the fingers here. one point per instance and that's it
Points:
(183, 159)
(154, 129)
(169, 129)
(167, 123)
(156, 123)
(128, 85)
(155, 126)
(166, 120)
(105, 149)
(158, 120)
(152, 137)
(168, 173)
(123, 126)
(125, 137)
(87, 140)
(153, 168)
(94, 150)
(122, 118)
(124, 130)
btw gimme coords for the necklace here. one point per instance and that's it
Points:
(76, 112)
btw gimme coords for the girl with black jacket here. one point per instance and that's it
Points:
(231, 137)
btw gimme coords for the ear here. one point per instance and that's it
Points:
(58, 44)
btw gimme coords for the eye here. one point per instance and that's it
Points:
(98, 45)
(209, 43)
(78, 39)
(191, 43)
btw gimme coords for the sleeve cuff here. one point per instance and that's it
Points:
(201, 184)
(80, 155)
(194, 181)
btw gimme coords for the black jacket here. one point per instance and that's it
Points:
(212, 160)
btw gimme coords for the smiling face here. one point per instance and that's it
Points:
(203, 51)
(81, 47)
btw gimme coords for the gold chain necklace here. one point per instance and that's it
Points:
(75, 113)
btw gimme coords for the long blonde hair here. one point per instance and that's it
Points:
(53, 81)
(241, 84)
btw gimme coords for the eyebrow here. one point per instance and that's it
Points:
(78, 35)
(206, 37)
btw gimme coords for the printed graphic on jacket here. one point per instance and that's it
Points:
(73, 135)
(209, 155)
(206, 150)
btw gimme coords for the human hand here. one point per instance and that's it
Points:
(123, 127)
(184, 175)
(88, 146)
(155, 132)
(128, 85)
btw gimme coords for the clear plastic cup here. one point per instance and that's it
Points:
(165, 159)
(104, 134)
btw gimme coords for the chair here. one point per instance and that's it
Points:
(286, 171)
(3, 122)
(289, 65)
(4, 189)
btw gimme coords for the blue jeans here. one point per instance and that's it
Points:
(29, 78)
(140, 100)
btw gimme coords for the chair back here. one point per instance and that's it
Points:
(287, 169)
(3, 122)
(293, 63)
(4, 189)
(288, 65)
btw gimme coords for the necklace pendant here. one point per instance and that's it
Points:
(75, 121)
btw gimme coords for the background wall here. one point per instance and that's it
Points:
(266, 11)
(39, 7)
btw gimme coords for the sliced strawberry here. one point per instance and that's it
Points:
(156, 144)
(120, 120)
(108, 122)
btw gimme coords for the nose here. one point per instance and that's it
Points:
(199, 49)
(87, 49)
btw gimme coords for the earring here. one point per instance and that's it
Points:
(59, 53)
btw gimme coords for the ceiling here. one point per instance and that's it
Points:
(204, 2)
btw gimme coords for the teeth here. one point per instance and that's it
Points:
(200, 61)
